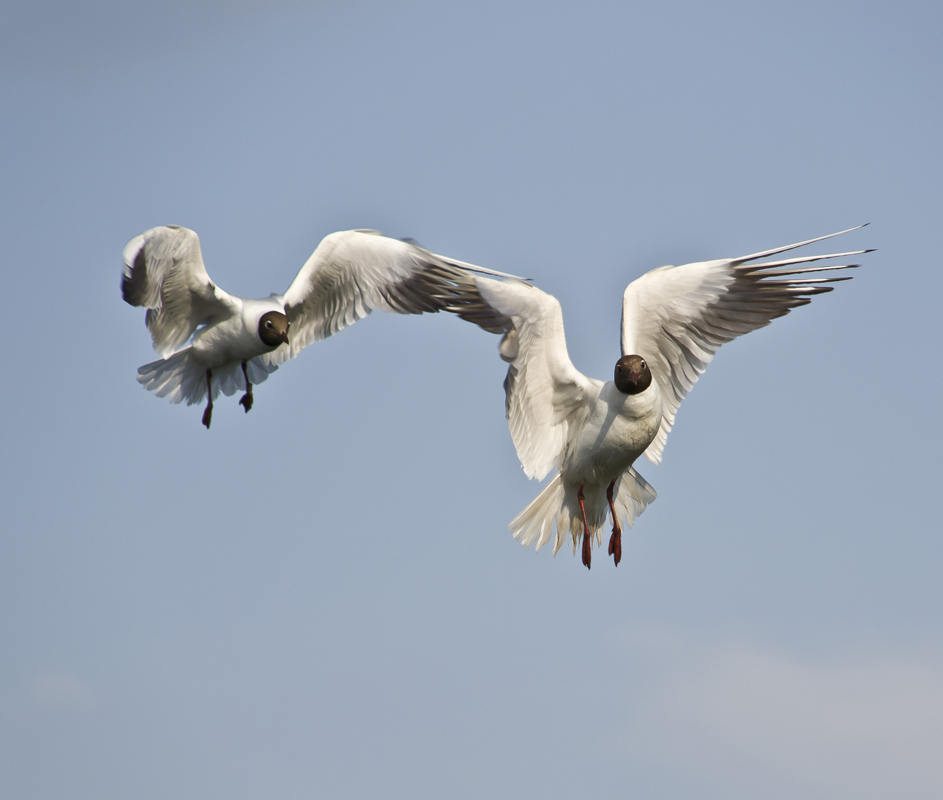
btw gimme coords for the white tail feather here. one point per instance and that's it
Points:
(535, 523)
(558, 506)
(632, 495)
(180, 377)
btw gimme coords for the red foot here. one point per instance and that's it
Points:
(587, 536)
(615, 541)
(615, 546)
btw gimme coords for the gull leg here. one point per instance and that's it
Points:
(615, 541)
(246, 400)
(208, 413)
(587, 540)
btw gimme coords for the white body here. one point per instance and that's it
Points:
(603, 441)
(561, 419)
(234, 339)
(617, 430)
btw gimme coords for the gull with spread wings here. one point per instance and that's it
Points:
(674, 319)
(237, 342)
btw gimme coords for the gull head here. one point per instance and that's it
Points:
(273, 329)
(632, 375)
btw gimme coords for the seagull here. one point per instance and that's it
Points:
(236, 342)
(674, 319)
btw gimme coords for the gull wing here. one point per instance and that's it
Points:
(678, 317)
(351, 273)
(544, 392)
(164, 272)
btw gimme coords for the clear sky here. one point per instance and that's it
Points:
(321, 598)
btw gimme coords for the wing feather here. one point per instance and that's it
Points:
(543, 390)
(678, 317)
(164, 272)
(351, 273)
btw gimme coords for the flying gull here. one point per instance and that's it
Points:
(237, 342)
(674, 319)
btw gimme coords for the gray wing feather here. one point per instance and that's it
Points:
(678, 317)
(543, 390)
(351, 273)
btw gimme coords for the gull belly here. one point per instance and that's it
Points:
(617, 431)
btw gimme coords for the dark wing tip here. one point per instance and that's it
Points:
(134, 279)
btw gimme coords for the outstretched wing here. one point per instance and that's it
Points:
(351, 273)
(678, 317)
(543, 390)
(164, 272)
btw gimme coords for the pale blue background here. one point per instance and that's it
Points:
(320, 598)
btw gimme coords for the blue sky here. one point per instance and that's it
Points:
(321, 598)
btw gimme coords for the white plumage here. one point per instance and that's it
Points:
(590, 431)
(348, 275)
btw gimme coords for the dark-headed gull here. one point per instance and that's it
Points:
(237, 342)
(673, 321)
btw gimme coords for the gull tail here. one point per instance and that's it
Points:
(631, 497)
(535, 523)
(181, 378)
(558, 506)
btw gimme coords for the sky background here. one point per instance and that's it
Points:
(321, 598)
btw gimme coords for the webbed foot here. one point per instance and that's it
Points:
(615, 541)
(246, 400)
(615, 545)
(208, 412)
(587, 536)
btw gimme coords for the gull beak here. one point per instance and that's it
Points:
(634, 376)
(284, 337)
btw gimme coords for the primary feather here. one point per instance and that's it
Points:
(678, 317)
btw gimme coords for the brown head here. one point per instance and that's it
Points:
(273, 329)
(632, 375)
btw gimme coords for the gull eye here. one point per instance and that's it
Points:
(268, 323)
(644, 365)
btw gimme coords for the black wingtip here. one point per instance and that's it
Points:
(134, 280)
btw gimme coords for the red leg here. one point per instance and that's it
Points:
(246, 400)
(615, 541)
(587, 536)
(208, 413)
